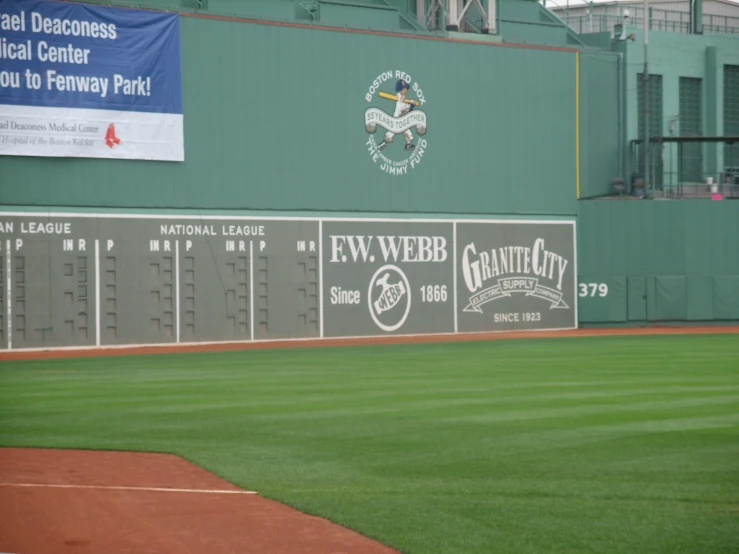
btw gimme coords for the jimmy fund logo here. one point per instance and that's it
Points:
(389, 297)
(508, 270)
(403, 98)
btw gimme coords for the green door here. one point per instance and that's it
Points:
(637, 298)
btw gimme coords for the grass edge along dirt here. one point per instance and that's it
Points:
(617, 444)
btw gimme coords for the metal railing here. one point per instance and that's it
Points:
(659, 20)
(680, 167)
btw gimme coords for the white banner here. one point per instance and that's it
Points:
(375, 116)
(72, 132)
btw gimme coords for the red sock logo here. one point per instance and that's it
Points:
(110, 138)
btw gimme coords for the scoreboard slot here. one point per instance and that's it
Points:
(188, 314)
(108, 300)
(263, 300)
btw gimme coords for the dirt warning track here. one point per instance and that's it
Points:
(314, 343)
(56, 501)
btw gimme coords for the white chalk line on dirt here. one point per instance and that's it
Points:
(121, 488)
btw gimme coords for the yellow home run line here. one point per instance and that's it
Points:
(142, 489)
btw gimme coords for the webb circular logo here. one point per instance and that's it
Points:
(389, 298)
(396, 111)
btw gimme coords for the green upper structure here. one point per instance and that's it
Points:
(524, 117)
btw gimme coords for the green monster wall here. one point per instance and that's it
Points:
(283, 129)
(661, 261)
(274, 120)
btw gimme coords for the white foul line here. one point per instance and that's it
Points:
(116, 488)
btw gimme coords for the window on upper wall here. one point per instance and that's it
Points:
(655, 124)
(731, 113)
(691, 125)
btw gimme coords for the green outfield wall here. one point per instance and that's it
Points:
(661, 261)
(288, 221)
(282, 127)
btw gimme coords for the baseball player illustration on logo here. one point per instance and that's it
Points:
(403, 105)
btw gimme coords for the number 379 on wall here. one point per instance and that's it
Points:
(593, 289)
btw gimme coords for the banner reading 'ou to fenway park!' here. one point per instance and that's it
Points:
(89, 81)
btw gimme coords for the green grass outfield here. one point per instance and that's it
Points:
(612, 445)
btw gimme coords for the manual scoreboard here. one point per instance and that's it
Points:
(119, 279)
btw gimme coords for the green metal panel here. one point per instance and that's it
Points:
(652, 311)
(700, 296)
(285, 129)
(691, 125)
(670, 299)
(667, 256)
(639, 225)
(637, 298)
(599, 123)
(724, 225)
(726, 298)
(698, 234)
